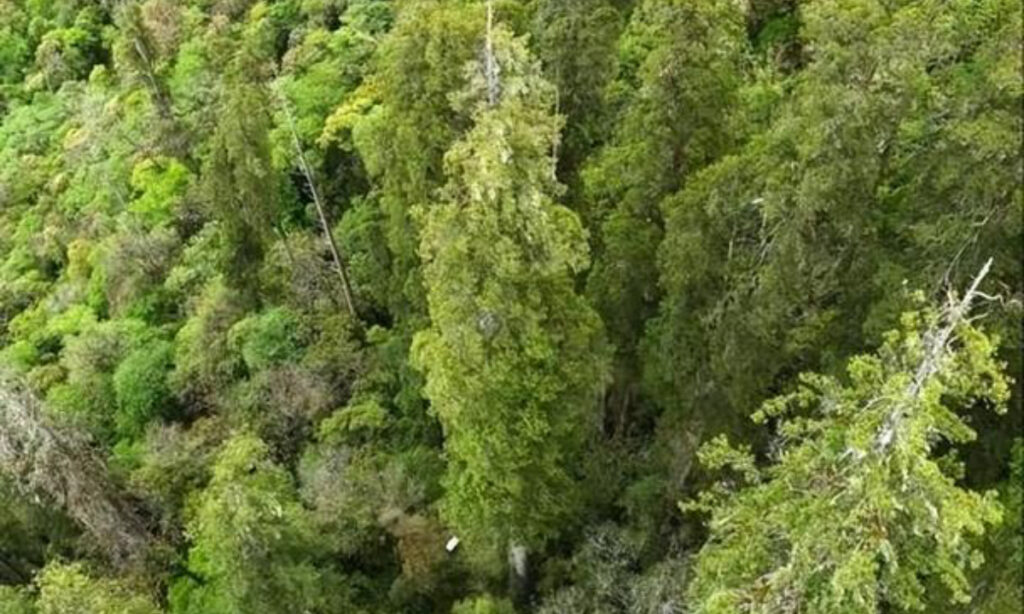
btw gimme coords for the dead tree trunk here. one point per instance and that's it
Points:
(518, 574)
(936, 351)
(339, 265)
(491, 67)
(42, 459)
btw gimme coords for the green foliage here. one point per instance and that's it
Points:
(203, 360)
(361, 233)
(92, 392)
(513, 357)
(483, 605)
(68, 589)
(67, 53)
(576, 43)
(751, 191)
(792, 252)
(174, 462)
(30, 532)
(241, 182)
(605, 571)
(251, 540)
(15, 601)
(266, 339)
(685, 59)
(161, 185)
(856, 510)
(996, 586)
(141, 389)
(403, 140)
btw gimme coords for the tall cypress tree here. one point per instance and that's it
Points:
(514, 357)
(402, 143)
(241, 183)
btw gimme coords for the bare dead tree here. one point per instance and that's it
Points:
(42, 459)
(491, 67)
(307, 172)
(936, 350)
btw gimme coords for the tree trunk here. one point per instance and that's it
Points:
(518, 574)
(339, 265)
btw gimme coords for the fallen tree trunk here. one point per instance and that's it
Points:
(42, 459)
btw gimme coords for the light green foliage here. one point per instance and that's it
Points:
(15, 601)
(266, 339)
(69, 589)
(161, 184)
(856, 509)
(483, 605)
(93, 394)
(15, 46)
(251, 540)
(66, 53)
(513, 357)
(327, 66)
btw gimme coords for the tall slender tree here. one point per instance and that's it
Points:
(680, 71)
(242, 184)
(514, 357)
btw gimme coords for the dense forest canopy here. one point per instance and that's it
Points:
(497, 306)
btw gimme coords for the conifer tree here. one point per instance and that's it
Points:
(679, 71)
(403, 141)
(241, 182)
(858, 508)
(514, 357)
(874, 169)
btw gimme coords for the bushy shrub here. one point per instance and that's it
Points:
(68, 589)
(140, 385)
(266, 339)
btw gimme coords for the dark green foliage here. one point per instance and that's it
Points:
(576, 43)
(403, 137)
(242, 184)
(678, 75)
(141, 388)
